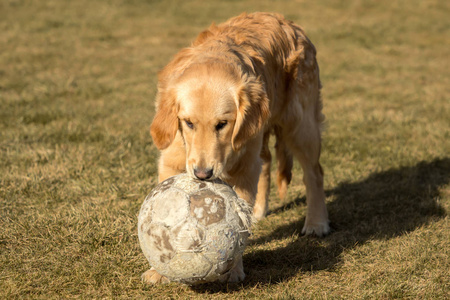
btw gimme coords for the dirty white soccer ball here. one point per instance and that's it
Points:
(193, 231)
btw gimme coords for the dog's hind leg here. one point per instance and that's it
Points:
(284, 164)
(305, 145)
(303, 138)
(262, 197)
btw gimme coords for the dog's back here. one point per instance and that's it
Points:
(269, 46)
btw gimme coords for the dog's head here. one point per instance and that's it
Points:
(216, 109)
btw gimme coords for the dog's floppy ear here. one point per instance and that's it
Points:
(165, 123)
(253, 111)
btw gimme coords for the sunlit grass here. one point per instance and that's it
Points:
(77, 85)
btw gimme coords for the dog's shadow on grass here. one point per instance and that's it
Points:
(382, 206)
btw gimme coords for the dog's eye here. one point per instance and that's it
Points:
(221, 125)
(189, 124)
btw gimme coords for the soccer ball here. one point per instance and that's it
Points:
(193, 231)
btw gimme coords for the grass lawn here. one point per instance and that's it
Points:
(77, 85)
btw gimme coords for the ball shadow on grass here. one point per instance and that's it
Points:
(384, 205)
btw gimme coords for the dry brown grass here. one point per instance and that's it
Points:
(77, 82)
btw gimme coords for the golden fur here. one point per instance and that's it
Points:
(220, 99)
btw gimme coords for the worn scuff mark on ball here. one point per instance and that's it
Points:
(207, 207)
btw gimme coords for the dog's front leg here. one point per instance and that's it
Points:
(172, 160)
(245, 183)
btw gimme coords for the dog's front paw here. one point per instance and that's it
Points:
(153, 277)
(236, 274)
(318, 228)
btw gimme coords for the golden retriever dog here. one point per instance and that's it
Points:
(219, 101)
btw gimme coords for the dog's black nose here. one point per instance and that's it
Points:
(203, 174)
